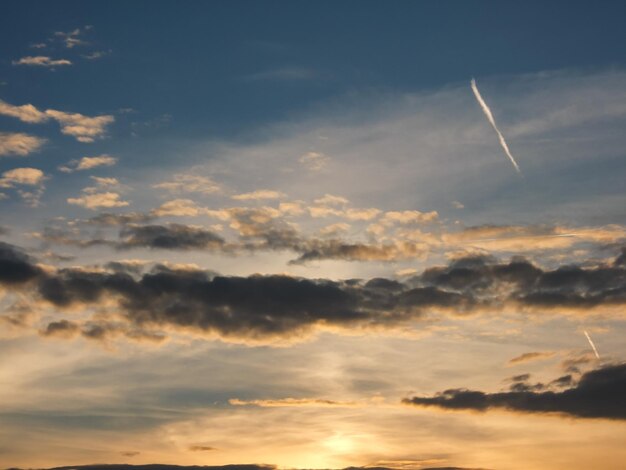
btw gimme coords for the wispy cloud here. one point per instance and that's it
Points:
(19, 177)
(41, 61)
(258, 195)
(188, 183)
(88, 163)
(492, 121)
(314, 161)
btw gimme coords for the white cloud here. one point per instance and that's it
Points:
(258, 195)
(26, 176)
(331, 200)
(41, 61)
(70, 38)
(25, 113)
(98, 200)
(18, 143)
(87, 163)
(82, 128)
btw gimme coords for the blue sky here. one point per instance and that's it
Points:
(274, 232)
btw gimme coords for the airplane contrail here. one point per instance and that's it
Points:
(593, 346)
(492, 121)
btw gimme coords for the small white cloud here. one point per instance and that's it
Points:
(25, 113)
(25, 177)
(458, 205)
(331, 200)
(21, 176)
(98, 200)
(258, 195)
(83, 128)
(71, 38)
(18, 143)
(41, 61)
(88, 163)
(105, 182)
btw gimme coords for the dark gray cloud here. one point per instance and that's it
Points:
(61, 328)
(110, 219)
(15, 266)
(261, 307)
(170, 237)
(598, 394)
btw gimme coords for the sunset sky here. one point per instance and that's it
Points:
(313, 234)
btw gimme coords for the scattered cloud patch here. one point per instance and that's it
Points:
(258, 195)
(41, 61)
(598, 394)
(82, 128)
(20, 144)
(21, 176)
(88, 163)
(185, 183)
(531, 356)
(98, 201)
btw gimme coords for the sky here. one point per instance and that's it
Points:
(313, 234)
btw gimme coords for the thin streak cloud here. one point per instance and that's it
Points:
(492, 121)
(593, 346)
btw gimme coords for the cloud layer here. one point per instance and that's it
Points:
(598, 394)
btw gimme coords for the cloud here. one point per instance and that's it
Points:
(531, 356)
(41, 61)
(170, 237)
(291, 402)
(201, 448)
(104, 182)
(21, 176)
(61, 329)
(258, 195)
(314, 161)
(18, 143)
(331, 200)
(492, 121)
(598, 394)
(98, 200)
(184, 183)
(87, 163)
(71, 38)
(16, 267)
(267, 308)
(95, 55)
(82, 128)
(25, 113)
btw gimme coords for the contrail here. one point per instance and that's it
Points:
(492, 121)
(593, 346)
